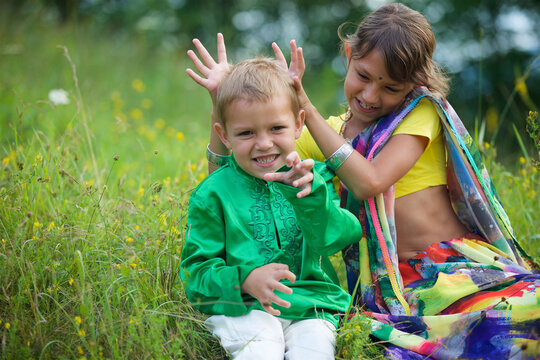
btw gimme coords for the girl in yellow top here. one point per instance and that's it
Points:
(397, 153)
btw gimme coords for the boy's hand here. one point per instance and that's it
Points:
(212, 72)
(262, 281)
(300, 175)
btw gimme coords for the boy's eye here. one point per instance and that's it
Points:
(392, 89)
(278, 127)
(245, 133)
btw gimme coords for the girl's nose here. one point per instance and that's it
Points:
(370, 95)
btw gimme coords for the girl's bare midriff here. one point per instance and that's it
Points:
(423, 218)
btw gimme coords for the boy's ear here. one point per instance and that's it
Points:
(222, 133)
(299, 123)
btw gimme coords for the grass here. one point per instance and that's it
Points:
(93, 198)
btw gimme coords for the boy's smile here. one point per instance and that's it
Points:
(261, 134)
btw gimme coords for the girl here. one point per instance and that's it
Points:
(439, 265)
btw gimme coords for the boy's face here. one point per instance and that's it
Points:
(261, 134)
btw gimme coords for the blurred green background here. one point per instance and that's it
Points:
(490, 49)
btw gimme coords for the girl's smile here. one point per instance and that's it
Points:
(370, 91)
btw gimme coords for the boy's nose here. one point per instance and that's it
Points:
(264, 141)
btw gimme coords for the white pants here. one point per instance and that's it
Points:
(259, 335)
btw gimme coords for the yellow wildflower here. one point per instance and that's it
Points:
(80, 350)
(133, 265)
(522, 160)
(89, 183)
(141, 207)
(38, 158)
(180, 136)
(486, 145)
(140, 192)
(137, 227)
(146, 103)
(136, 114)
(158, 242)
(159, 123)
(51, 226)
(82, 332)
(138, 85)
(37, 224)
(5, 160)
(7, 325)
(78, 320)
(71, 281)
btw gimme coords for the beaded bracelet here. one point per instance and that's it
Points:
(215, 159)
(337, 159)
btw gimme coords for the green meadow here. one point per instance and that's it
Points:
(94, 193)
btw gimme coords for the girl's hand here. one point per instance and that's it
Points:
(262, 281)
(296, 70)
(297, 66)
(300, 175)
(212, 73)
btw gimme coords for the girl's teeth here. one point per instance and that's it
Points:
(366, 106)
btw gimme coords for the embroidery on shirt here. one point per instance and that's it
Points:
(289, 233)
(261, 221)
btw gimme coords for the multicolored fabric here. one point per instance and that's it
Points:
(465, 298)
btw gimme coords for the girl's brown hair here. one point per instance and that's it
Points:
(406, 42)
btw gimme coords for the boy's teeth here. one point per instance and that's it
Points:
(265, 159)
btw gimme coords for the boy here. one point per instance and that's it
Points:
(256, 251)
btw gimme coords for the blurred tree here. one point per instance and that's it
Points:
(486, 45)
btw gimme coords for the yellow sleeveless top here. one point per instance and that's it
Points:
(429, 170)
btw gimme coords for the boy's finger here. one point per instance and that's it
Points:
(304, 192)
(205, 55)
(221, 50)
(283, 288)
(199, 80)
(198, 64)
(279, 301)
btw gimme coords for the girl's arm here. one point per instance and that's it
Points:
(363, 178)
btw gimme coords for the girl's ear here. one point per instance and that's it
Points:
(347, 51)
(222, 133)
(299, 123)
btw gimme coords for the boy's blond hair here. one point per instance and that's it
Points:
(259, 79)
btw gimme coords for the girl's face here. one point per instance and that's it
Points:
(370, 91)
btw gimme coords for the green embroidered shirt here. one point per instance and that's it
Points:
(237, 222)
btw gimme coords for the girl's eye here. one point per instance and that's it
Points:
(245, 133)
(278, 127)
(391, 89)
(362, 76)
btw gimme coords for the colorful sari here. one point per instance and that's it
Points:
(467, 298)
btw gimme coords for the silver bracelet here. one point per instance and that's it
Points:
(215, 159)
(337, 159)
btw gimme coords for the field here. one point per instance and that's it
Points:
(94, 183)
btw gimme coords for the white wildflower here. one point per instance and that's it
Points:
(59, 97)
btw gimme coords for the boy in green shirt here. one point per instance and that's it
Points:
(256, 251)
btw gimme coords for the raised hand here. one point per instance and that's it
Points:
(262, 281)
(297, 65)
(212, 72)
(300, 175)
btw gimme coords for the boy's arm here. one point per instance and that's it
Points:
(327, 226)
(211, 285)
